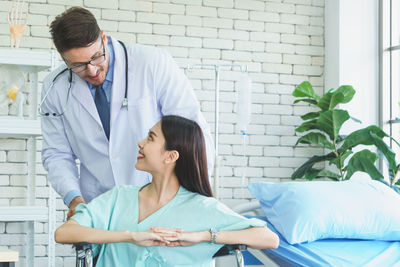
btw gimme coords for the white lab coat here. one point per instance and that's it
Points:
(157, 87)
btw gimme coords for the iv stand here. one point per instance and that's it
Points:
(216, 68)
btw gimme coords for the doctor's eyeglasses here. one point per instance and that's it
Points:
(94, 62)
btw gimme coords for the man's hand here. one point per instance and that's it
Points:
(72, 206)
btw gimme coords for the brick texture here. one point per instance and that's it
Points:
(282, 44)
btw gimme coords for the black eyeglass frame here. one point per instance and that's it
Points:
(76, 69)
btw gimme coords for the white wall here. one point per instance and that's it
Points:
(282, 41)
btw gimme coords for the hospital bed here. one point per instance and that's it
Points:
(84, 257)
(326, 252)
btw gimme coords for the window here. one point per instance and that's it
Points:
(390, 68)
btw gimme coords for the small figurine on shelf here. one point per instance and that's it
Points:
(16, 22)
(12, 99)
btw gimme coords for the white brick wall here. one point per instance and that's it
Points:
(281, 41)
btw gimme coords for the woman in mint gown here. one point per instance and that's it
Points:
(174, 220)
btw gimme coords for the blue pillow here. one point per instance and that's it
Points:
(308, 211)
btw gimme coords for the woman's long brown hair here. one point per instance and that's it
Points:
(186, 137)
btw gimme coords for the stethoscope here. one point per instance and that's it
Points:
(48, 114)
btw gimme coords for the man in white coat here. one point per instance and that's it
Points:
(101, 103)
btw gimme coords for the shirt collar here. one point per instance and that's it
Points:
(110, 73)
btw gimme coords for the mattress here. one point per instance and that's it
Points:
(332, 252)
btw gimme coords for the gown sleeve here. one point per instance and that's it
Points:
(210, 213)
(97, 213)
(230, 220)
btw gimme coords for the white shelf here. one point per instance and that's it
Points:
(19, 128)
(15, 127)
(27, 59)
(7, 255)
(23, 213)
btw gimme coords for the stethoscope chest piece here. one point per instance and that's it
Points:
(125, 103)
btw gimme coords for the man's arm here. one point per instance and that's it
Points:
(72, 205)
(57, 156)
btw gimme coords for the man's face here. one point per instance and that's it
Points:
(77, 56)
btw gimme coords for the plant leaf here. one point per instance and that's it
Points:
(313, 173)
(340, 138)
(394, 187)
(307, 100)
(337, 97)
(325, 100)
(394, 140)
(363, 161)
(332, 98)
(355, 120)
(339, 161)
(306, 126)
(301, 171)
(317, 139)
(305, 90)
(362, 137)
(331, 121)
(310, 115)
(396, 177)
(386, 151)
(348, 92)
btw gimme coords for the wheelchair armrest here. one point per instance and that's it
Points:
(223, 251)
(84, 253)
(82, 246)
(84, 256)
(229, 250)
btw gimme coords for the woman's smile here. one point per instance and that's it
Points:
(140, 156)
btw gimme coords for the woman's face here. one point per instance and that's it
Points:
(152, 153)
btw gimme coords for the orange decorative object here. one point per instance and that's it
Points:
(17, 22)
(12, 93)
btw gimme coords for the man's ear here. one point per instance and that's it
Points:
(104, 37)
(172, 157)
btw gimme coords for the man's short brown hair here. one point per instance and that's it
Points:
(74, 28)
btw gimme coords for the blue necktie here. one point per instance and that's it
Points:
(100, 100)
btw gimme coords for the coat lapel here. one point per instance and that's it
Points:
(118, 86)
(81, 92)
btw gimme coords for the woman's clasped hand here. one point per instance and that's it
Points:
(162, 236)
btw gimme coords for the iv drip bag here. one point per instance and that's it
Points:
(244, 102)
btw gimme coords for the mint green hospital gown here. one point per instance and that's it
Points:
(118, 209)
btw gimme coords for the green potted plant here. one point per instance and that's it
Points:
(322, 128)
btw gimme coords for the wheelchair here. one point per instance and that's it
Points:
(84, 256)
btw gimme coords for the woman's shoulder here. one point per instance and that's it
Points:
(127, 188)
(118, 191)
(209, 207)
(198, 199)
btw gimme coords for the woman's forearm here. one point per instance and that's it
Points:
(71, 232)
(254, 237)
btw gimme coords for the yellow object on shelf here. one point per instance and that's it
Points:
(12, 93)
